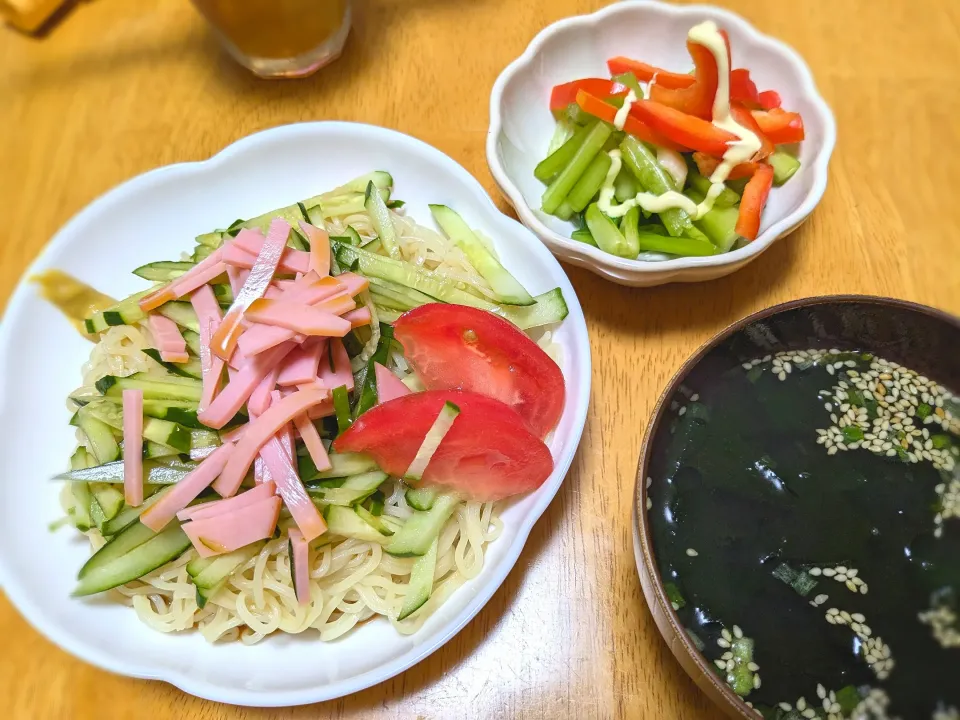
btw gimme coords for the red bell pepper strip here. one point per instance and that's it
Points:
(633, 126)
(707, 165)
(697, 99)
(566, 94)
(769, 99)
(743, 89)
(683, 129)
(644, 73)
(780, 126)
(745, 119)
(751, 204)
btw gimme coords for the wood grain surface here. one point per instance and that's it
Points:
(121, 87)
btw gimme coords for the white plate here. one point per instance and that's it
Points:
(521, 124)
(155, 217)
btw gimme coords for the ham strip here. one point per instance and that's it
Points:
(168, 338)
(300, 562)
(319, 248)
(301, 364)
(294, 495)
(229, 505)
(225, 339)
(311, 439)
(389, 386)
(186, 491)
(258, 432)
(297, 317)
(226, 533)
(211, 367)
(260, 398)
(290, 261)
(337, 372)
(196, 276)
(133, 447)
(359, 317)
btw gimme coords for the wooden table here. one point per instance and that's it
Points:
(122, 87)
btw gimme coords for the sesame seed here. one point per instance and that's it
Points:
(691, 552)
(722, 642)
(737, 632)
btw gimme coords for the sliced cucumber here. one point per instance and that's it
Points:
(156, 451)
(372, 520)
(201, 253)
(784, 165)
(345, 465)
(129, 515)
(380, 217)
(504, 285)
(100, 439)
(421, 582)
(125, 312)
(421, 498)
(355, 489)
(441, 426)
(423, 528)
(108, 499)
(193, 341)
(112, 472)
(345, 522)
(142, 555)
(80, 512)
(81, 459)
(153, 389)
(211, 574)
(202, 442)
(159, 431)
(382, 179)
(182, 313)
(190, 369)
(550, 307)
(353, 236)
(163, 271)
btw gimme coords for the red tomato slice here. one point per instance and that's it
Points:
(488, 453)
(454, 346)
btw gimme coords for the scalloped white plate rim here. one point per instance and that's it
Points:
(598, 257)
(577, 403)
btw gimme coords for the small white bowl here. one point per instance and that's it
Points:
(521, 124)
(155, 216)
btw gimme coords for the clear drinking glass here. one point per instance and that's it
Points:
(280, 38)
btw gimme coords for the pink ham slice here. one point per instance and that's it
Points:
(133, 447)
(186, 491)
(300, 562)
(260, 398)
(311, 439)
(389, 386)
(319, 248)
(358, 318)
(258, 432)
(168, 339)
(229, 505)
(224, 341)
(301, 365)
(211, 367)
(294, 495)
(226, 533)
(300, 318)
(341, 374)
(291, 261)
(238, 390)
(200, 274)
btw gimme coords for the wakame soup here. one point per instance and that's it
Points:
(805, 515)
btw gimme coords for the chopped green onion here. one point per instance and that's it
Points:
(673, 595)
(852, 433)
(849, 698)
(923, 411)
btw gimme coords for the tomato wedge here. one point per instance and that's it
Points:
(640, 130)
(696, 100)
(455, 346)
(487, 454)
(566, 94)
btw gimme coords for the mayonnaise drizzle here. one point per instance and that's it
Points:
(738, 151)
(620, 119)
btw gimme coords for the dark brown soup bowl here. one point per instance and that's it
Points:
(916, 336)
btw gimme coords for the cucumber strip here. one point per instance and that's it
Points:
(193, 341)
(344, 465)
(380, 217)
(129, 515)
(345, 522)
(558, 190)
(354, 489)
(81, 459)
(654, 179)
(676, 245)
(727, 197)
(145, 557)
(422, 528)
(441, 426)
(373, 521)
(550, 308)
(353, 236)
(131, 538)
(341, 405)
(555, 162)
(182, 313)
(162, 271)
(503, 284)
(211, 574)
(183, 412)
(630, 227)
(112, 472)
(583, 236)
(190, 369)
(201, 253)
(784, 165)
(404, 296)
(159, 431)
(421, 582)
(212, 240)
(108, 499)
(421, 498)
(589, 183)
(381, 178)
(81, 507)
(100, 439)
(153, 389)
(606, 233)
(376, 504)
(152, 450)
(296, 240)
(372, 246)
(719, 225)
(125, 312)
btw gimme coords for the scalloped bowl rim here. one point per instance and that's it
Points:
(480, 589)
(600, 258)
